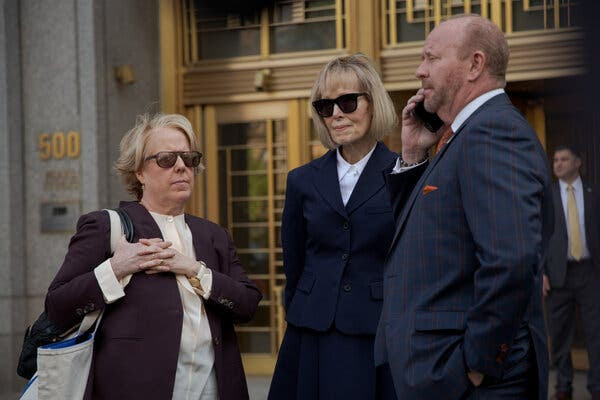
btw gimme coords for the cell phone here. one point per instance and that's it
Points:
(431, 121)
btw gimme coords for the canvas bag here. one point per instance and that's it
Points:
(64, 367)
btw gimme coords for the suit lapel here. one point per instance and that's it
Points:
(560, 217)
(499, 99)
(144, 224)
(417, 190)
(587, 210)
(198, 240)
(371, 179)
(203, 246)
(327, 183)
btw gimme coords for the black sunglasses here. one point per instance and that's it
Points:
(166, 159)
(346, 102)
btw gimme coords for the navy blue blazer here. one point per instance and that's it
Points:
(464, 271)
(333, 256)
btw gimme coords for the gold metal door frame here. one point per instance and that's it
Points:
(270, 113)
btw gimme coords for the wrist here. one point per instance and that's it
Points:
(116, 269)
(195, 280)
(195, 270)
(413, 156)
(412, 161)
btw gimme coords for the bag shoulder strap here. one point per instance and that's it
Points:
(120, 224)
(126, 224)
(116, 229)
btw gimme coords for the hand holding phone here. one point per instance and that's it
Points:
(431, 121)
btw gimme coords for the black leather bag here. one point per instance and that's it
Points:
(43, 331)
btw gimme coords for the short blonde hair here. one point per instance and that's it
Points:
(134, 143)
(359, 67)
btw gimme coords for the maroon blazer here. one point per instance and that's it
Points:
(137, 345)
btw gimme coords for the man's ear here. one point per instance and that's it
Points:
(477, 65)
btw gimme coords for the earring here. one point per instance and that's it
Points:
(143, 186)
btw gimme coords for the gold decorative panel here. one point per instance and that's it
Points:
(411, 20)
(533, 55)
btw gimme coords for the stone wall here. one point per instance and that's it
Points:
(57, 60)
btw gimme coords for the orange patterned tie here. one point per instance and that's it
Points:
(444, 139)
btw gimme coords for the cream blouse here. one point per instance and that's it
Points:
(195, 378)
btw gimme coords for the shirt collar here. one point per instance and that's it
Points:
(577, 185)
(179, 220)
(343, 166)
(472, 107)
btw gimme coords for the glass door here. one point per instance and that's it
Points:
(248, 157)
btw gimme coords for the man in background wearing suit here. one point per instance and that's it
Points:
(462, 314)
(572, 274)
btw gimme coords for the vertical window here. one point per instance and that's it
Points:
(213, 31)
(302, 25)
(221, 33)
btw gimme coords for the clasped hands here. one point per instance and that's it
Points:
(151, 256)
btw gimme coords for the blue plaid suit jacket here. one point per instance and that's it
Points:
(463, 274)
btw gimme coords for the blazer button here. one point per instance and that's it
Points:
(347, 287)
(216, 341)
(346, 225)
(79, 312)
(345, 256)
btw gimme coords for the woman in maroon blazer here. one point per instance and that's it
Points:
(171, 297)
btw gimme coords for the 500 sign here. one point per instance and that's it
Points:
(57, 145)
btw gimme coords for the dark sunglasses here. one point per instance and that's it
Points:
(346, 102)
(166, 159)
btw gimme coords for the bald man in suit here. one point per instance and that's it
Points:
(462, 314)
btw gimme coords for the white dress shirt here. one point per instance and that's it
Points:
(461, 117)
(195, 378)
(578, 192)
(348, 174)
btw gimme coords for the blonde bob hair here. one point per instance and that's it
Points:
(349, 69)
(134, 143)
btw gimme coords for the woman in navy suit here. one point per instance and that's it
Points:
(337, 225)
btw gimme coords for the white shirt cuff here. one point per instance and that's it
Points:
(205, 277)
(112, 288)
(398, 169)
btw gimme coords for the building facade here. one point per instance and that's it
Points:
(75, 73)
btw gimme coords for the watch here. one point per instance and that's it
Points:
(195, 280)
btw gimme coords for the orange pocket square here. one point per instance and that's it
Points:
(429, 189)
